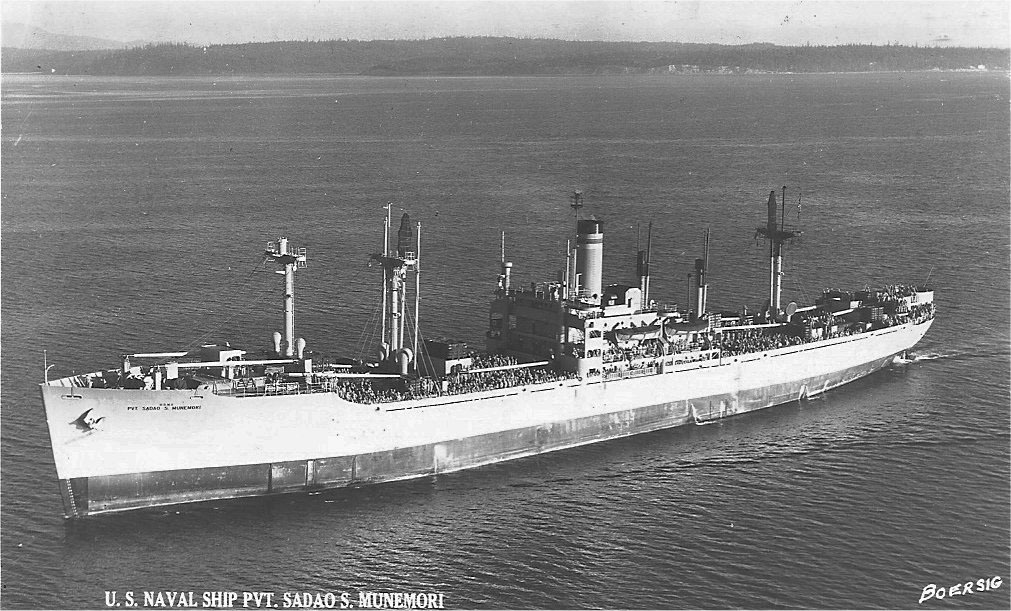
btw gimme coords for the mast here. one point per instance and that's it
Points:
(395, 266)
(649, 254)
(417, 287)
(688, 299)
(568, 268)
(642, 264)
(505, 278)
(701, 271)
(639, 256)
(778, 234)
(566, 293)
(577, 203)
(290, 258)
(386, 252)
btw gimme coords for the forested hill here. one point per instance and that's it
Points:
(494, 56)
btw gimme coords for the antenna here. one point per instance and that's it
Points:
(782, 211)
(577, 203)
(705, 252)
(577, 200)
(649, 250)
(503, 246)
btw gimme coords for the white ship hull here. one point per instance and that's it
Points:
(140, 448)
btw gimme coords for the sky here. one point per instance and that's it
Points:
(819, 22)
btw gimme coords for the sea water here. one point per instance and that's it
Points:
(134, 216)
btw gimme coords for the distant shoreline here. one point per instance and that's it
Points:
(268, 75)
(491, 56)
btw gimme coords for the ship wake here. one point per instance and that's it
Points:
(919, 357)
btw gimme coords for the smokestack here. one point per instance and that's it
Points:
(277, 343)
(590, 256)
(507, 269)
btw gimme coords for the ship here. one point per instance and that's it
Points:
(566, 363)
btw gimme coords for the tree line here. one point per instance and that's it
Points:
(494, 56)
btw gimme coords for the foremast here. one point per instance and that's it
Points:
(289, 258)
(394, 349)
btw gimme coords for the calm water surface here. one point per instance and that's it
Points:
(134, 211)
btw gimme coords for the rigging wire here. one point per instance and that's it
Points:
(363, 341)
(422, 349)
(370, 340)
(245, 283)
(800, 289)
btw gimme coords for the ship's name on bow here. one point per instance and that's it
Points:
(161, 407)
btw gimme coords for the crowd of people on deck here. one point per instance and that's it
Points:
(919, 313)
(484, 361)
(894, 292)
(508, 378)
(646, 348)
(743, 341)
(369, 391)
(365, 391)
(816, 318)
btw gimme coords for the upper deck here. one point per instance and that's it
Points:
(622, 356)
